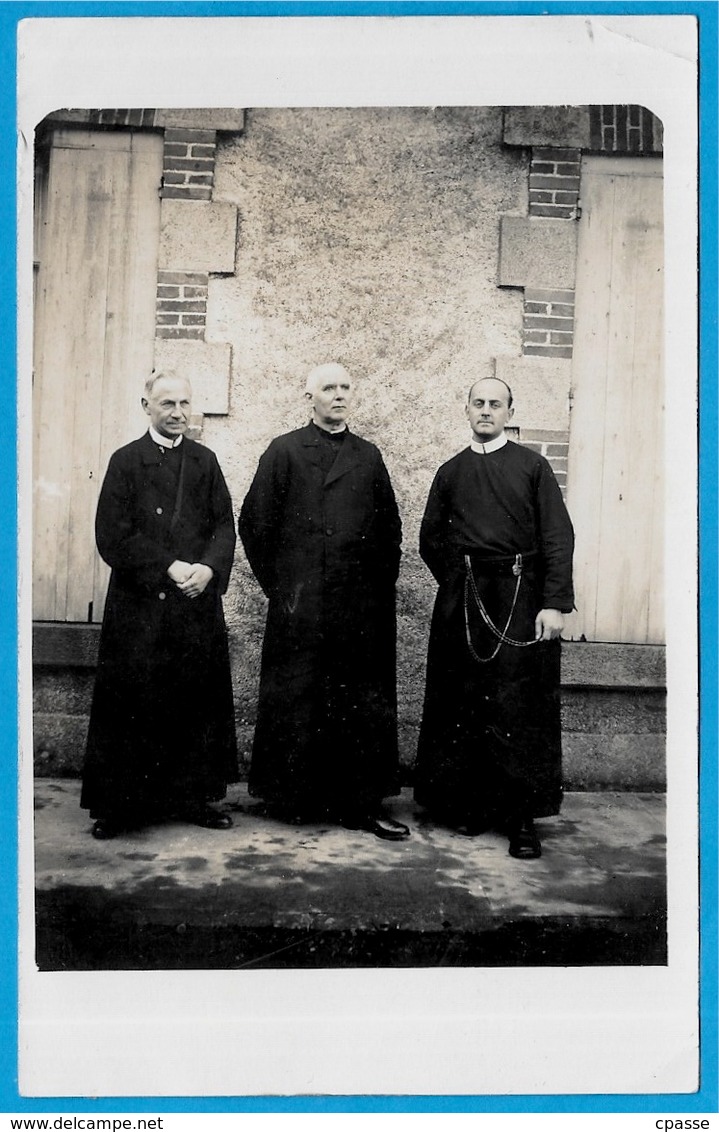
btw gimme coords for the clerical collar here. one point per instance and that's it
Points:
(327, 432)
(164, 441)
(490, 446)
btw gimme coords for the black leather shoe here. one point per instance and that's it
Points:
(524, 842)
(211, 819)
(104, 830)
(380, 826)
(387, 828)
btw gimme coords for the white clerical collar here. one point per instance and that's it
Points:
(331, 431)
(490, 446)
(164, 441)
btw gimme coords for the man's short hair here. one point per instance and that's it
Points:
(501, 382)
(168, 374)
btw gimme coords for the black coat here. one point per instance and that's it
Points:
(161, 735)
(325, 548)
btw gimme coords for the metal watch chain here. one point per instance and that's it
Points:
(500, 634)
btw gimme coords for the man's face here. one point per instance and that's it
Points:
(168, 406)
(488, 410)
(330, 392)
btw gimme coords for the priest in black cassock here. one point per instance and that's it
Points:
(498, 540)
(322, 533)
(161, 741)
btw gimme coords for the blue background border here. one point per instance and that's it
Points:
(706, 1100)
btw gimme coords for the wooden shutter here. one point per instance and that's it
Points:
(616, 456)
(94, 339)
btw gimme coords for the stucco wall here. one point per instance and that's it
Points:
(369, 236)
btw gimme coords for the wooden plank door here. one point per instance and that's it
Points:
(615, 475)
(94, 341)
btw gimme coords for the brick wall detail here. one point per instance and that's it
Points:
(188, 173)
(188, 166)
(228, 119)
(554, 183)
(117, 117)
(548, 308)
(197, 238)
(181, 310)
(548, 323)
(624, 129)
(554, 445)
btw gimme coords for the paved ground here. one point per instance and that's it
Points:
(264, 894)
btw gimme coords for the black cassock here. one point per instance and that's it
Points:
(162, 735)
(490, 739)
(322, 534)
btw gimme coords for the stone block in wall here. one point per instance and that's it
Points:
(65, 644)
(616, 762)
(226, 118)
(541, 390)
(198, 236)
(614, 711)
(59, 744)
(62, 691)
(598, 664)
(76, 116)
(537, 252)
(207, 366)
(556, 126)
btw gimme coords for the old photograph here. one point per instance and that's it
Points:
(235, 275)
(354, 569)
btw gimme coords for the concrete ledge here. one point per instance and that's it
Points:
(587, 664)
(596, 664)
(564, 127)
(613, 711)
(223, 118)
(57, 644)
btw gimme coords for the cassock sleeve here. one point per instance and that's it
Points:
(556, 536)
(259, 523)
(432, 534)
(219, 551)
(121, 544)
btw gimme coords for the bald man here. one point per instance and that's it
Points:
(322, 534)
(497, 538)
